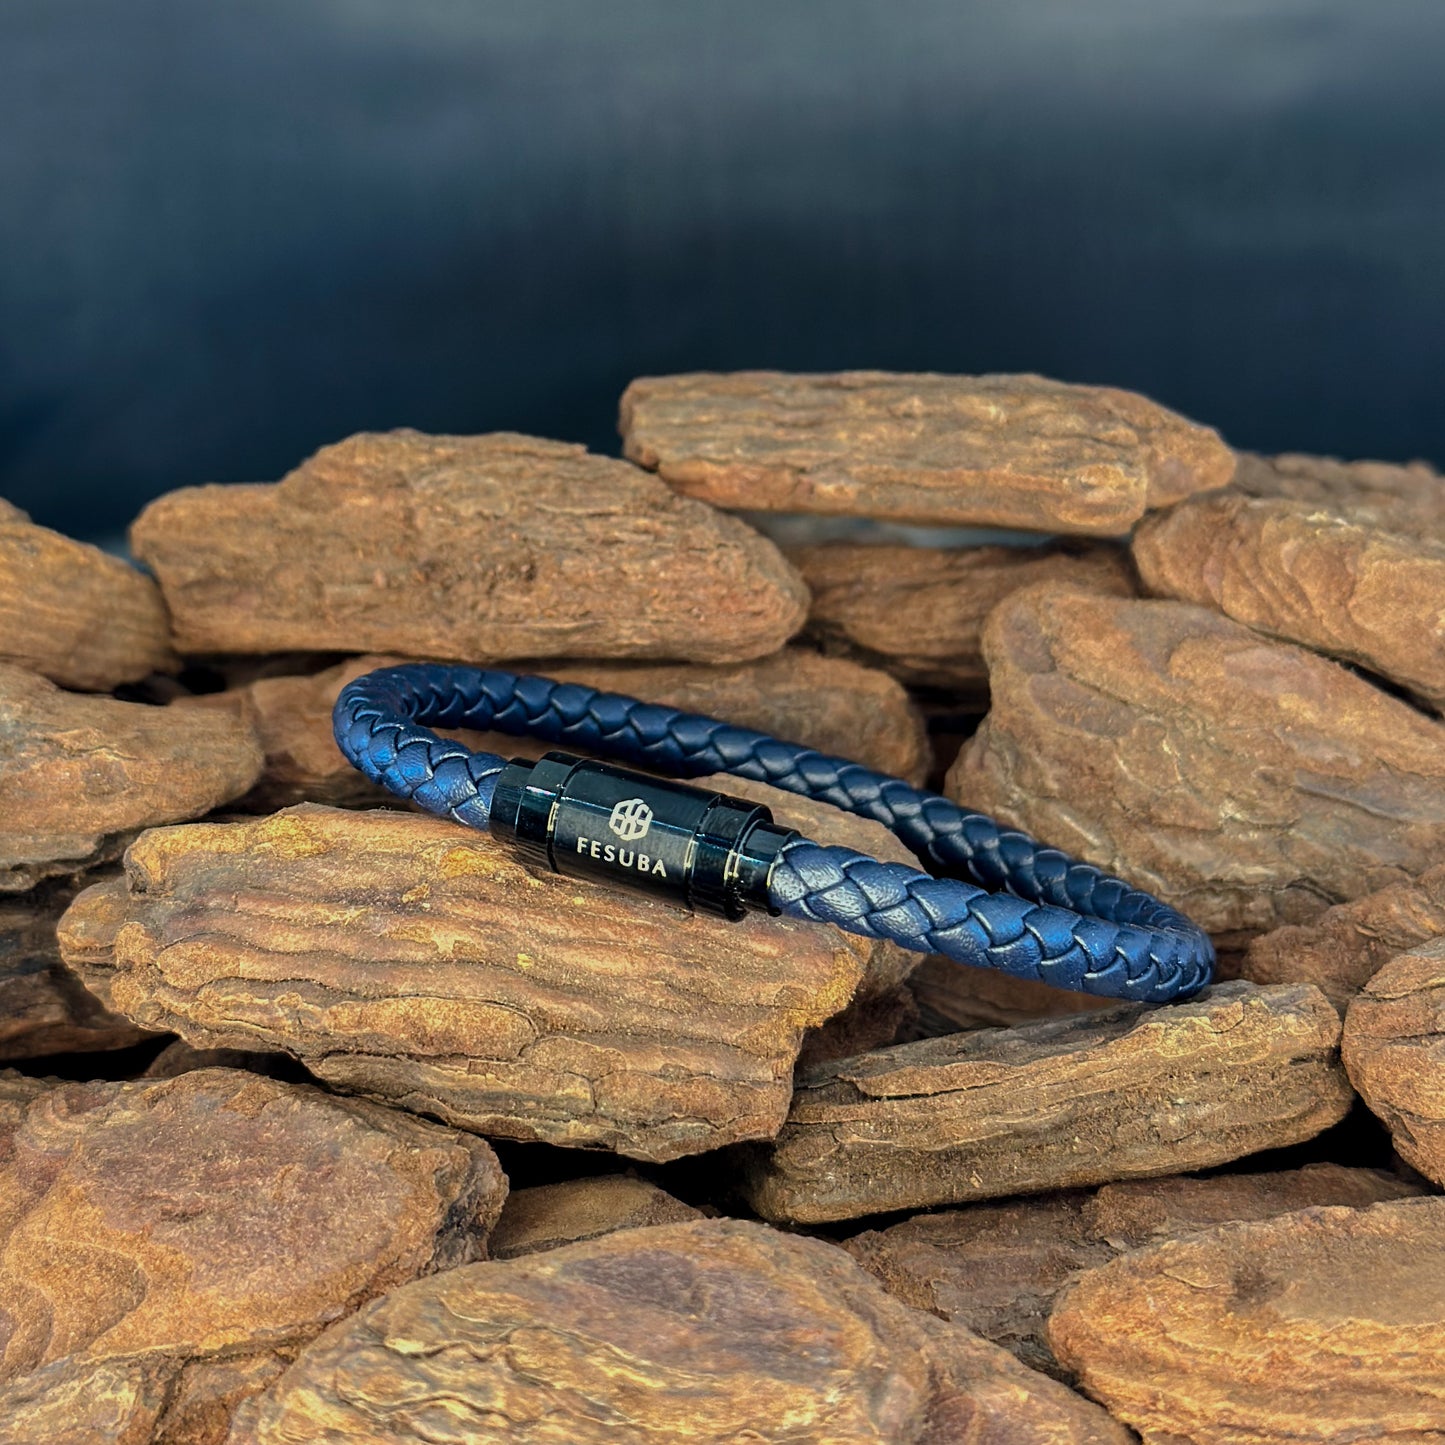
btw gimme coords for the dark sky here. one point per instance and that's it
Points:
(231, 232)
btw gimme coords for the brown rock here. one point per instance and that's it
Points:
(550, 1215)
(403, 957)
(76, 614)
(918, 612)
(1409, 499)
(146, 1399)
(1394, 1050)
(825, 703)
(1125, 1093)
(1295, 571)
(1004, 451)
(465, 548)
(87, 1402)
(1324, 1325)
(218, 1214)
(83, 773)
(996, 1268)
(44, 1009)
(1342, 949)
(1248, 782)
(872, 1020)
(714, 1331)
(953, 997)
(178, 1057)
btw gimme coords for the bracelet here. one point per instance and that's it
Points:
(999, 900)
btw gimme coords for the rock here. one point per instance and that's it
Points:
(1394, 1051)
(84, 773)
(465, 548)
(996, 1268)
(147, 1399)
(220, 1214)
(75, 614)
(991, 451)
(178, 1057)
(954, 996)
(1248, 782)
(1409, 499)
(1324, 1325)
(1295, 571)
(1342, 949)
(87, 1402)
(1127, 1092)
(872, 1020)
(403, 957)
(718, 1330)
(549, 1215)
(43, 1007)
(918, 612)
(825, 703)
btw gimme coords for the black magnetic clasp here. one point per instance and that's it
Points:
(700, 848)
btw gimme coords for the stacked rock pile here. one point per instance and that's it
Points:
(330, 1121)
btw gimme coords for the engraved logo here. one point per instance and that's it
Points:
(630, 819)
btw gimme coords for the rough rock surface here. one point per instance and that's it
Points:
(1409, 499)
(996, 1268)
(715, 1331)
(82, 773)
(76, 614)
(218, 1214)
(1246, 781)
(141, 1399)
(1006, 451)
(547, 1216)
(1340, 951)
(44, 1009)
(1394, 1051)
(1294, 570)
(825, 703)
(1124, 1093)
(953, 997)
(403, 957)
(1325, 1325)
(918, 612)
(466, 548)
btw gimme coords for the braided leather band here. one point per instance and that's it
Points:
(1029, 911)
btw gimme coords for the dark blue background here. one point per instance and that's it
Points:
(230, 232)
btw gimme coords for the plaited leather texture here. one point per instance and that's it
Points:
(993, 897)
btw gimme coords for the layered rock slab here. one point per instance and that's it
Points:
(44, 1008)
(1249, 782)
(465, 548)
(825, 703)
(1296, 571)
(1325, 1325)
(714, 1331)
(918, 612)
(997, 1268)
(220, 1214)
(1394, 1051)
(547, 1216)
(1408, 499)
(1124, 1093)
(142, 1399)
(1005, 451)
(75, 614)
(82, 774)
(1341, 950)
(418, 962)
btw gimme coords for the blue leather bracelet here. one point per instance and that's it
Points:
(996, 898)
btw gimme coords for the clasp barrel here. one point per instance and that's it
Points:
(700, 848)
